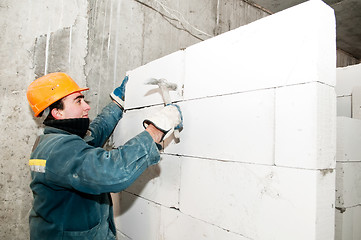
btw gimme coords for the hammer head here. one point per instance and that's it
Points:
(162, 83)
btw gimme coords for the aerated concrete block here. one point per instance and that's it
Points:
(348, 184)
(258, 55)
(140, 219)
(344, 106)
(179, 226)
(347, 78)
(160, 183)
(258, 201)
(237, 127)
(356, 101)
(306, 126)
(348, 139)
(170, 223)
(255, 56)
(170, 68)
(132, 124)
(348, 224)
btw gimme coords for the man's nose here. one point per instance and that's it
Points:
(86, 106)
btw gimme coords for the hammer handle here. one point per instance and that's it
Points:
(166, 99)
(165, 94)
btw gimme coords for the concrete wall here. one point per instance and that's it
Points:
(36, 37)
(256, 157)
(344, 59)
(96, 42)
(348, 166)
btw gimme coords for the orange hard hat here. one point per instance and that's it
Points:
(50, 88)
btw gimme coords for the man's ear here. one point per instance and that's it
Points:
(56, 113)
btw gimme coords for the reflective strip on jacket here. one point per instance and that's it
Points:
(72, 179)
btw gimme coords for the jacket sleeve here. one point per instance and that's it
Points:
(94, 171)
(103, 125)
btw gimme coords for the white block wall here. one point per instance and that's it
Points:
(348, 78)
(348, 166)
(256, 157)
(348, 223)
(348, 179)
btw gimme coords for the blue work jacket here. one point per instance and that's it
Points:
(72, 179)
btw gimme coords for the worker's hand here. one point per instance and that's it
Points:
(166, 120)
(118, 95)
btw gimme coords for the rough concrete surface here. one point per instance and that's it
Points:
(26, 52)
(96, 42)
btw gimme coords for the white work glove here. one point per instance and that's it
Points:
(167, 120)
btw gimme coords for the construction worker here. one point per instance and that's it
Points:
(72, 175)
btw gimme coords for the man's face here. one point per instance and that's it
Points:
(74, 107)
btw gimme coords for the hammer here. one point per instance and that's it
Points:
(165, 87)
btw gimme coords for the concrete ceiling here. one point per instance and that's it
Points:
(348, 20)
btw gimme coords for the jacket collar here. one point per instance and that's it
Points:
(77, 126)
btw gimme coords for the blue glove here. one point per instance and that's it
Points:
(118, 94)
